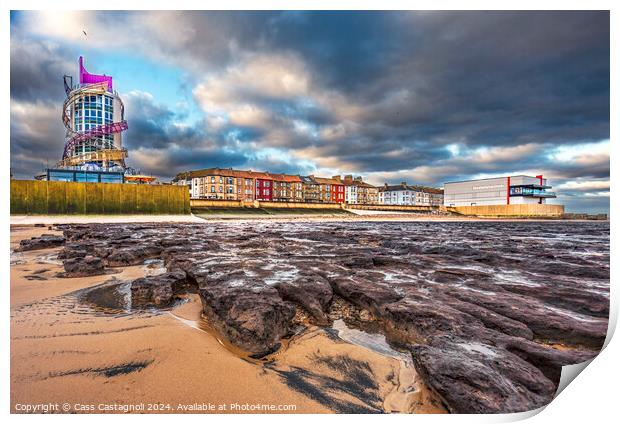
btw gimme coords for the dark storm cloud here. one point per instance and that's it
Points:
(152, 125)
(481, 79)
(37, 68)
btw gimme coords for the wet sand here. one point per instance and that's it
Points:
(67, 350)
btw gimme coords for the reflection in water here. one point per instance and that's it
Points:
(375, 342)
(114, 298)
(108, 298)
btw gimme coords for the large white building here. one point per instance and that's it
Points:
(517, 189)
(406, 195)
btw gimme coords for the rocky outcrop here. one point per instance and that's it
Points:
(83, 266)
(252, 318)
(45, 241)
(312, 292)
(478, 378)
(158, 290)
(364, 293)
(133, 256)
(544, 320)
(490, 311)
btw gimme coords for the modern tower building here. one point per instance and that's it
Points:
(94, 117)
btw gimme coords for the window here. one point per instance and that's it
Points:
(220, 180)
(111, 178)
(212, 189)
(220, 189)
(266, 183)
(212, 180)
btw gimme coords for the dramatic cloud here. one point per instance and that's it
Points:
(424, 97)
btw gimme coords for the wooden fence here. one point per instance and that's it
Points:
(31, 197)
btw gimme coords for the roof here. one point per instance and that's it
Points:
(308, 179)
(286, 178)
(223, 172)
(491, 178)
(401, 187)
(359, 184)
(321, 180)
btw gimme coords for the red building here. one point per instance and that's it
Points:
(338, 193)
(264, 188)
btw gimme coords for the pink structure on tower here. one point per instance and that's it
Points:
(88, 78)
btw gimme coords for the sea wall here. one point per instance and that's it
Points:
(30, 197)
(216, 203)
(522, 210)
(396, 208)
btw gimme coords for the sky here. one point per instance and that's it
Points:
(422, 97)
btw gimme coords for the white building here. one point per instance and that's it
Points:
(406, 195)
(358, 192)
(518, 189)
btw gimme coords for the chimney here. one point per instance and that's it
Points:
(404, 184)
(336, 177)
(358, 179)
(348, 177)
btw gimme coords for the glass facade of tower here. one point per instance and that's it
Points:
(89, 112)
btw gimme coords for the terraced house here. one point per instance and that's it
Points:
(310, 189)
(409, 195)
(356, 191)
(247, 186)
(331, 190)
(287, 188)
(218, 183)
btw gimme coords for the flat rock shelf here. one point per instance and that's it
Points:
(487, 312)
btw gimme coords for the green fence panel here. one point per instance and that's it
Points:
(75, 198)
(144, 200)
(19, 198)
(159, 200)
(112, 199)
(187, 203)
(128, 198)
(37, 197)
(94, 199)
(56, 198)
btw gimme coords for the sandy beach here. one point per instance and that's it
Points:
(93, 354)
